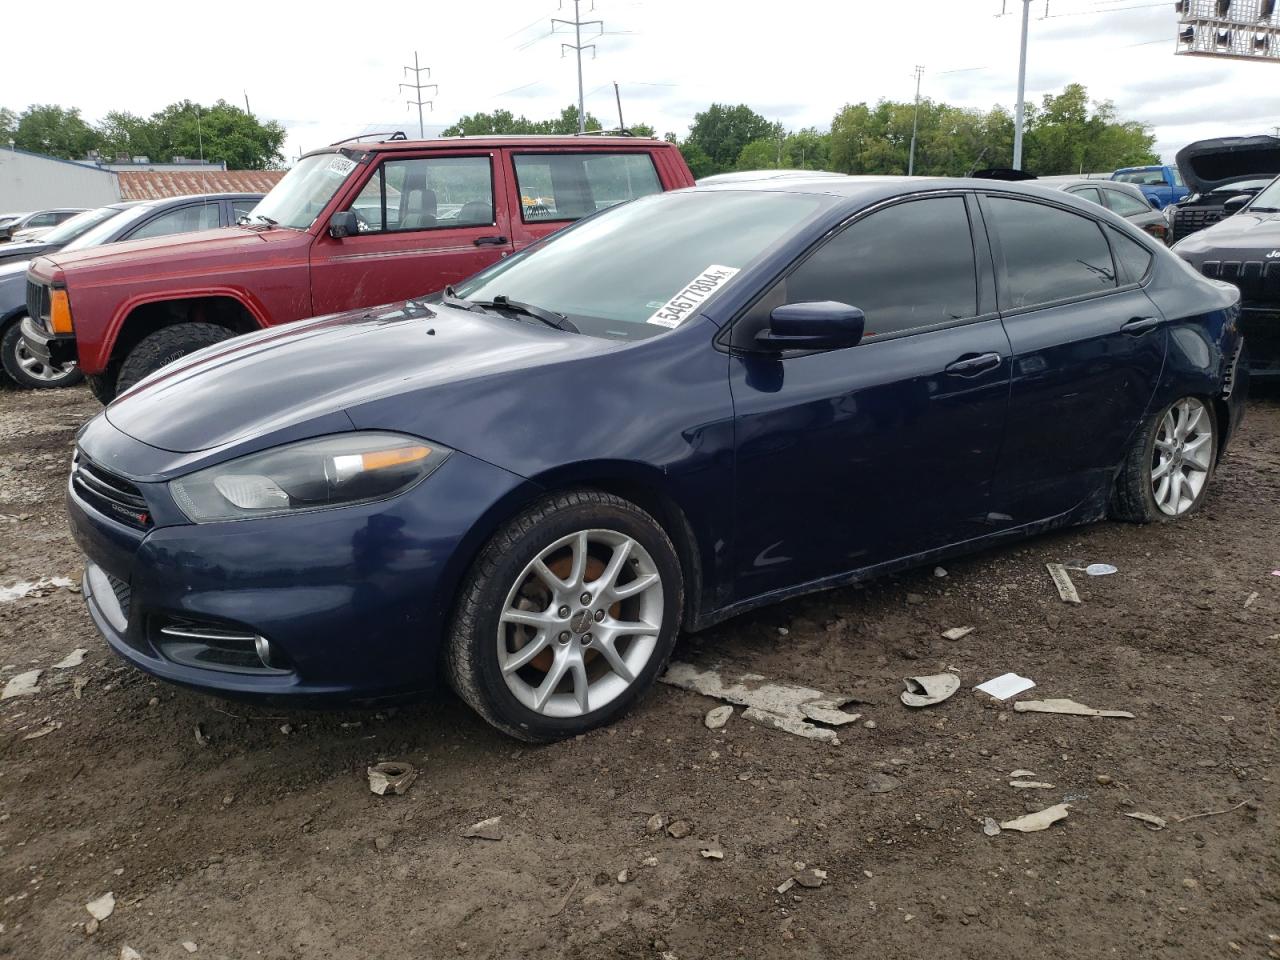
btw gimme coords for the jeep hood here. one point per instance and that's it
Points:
(221, 244)
(1245, 236)
(1209, 165)
(267, 382)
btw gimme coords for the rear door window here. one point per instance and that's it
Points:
(1047, 254)
(428, 193)
(196, 216)
(1088, 193)
(1124, 204)
(569, 186)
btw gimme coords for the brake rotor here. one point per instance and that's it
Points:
(560, 568)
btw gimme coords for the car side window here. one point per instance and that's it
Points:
(1126, 205)
(1132, 257)
(1047, 254)
(427, 193)
(42, 220)
(196, 216)
(569, 186)
(241, 208)
(1088, 193)
(907, 266)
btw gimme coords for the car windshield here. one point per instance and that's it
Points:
(646, 266)
(69, 230)
(306, 190)
(105, 231)
(1268, 199)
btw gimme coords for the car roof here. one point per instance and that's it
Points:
(185, 198)
(586, 141)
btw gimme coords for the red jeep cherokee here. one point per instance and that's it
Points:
(353, 225)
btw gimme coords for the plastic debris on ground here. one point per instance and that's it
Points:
(1030, 785)
(22, 684)
(1005, 686)
(1150, 819)
(1062, 580)
(792, 709)
(391, 778)
(490, 829)
(930, 690)
(957, 633)
(1040, 820)
(1068, 707)
(25, 588)
(1100, 570)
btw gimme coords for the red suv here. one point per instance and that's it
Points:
(353, 225)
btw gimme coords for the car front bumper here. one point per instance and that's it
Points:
(52, 348)
(354, 602)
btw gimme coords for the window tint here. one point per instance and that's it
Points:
(1133, 258)
(241, 208)
(908, 266)
(1049, 254)
(427, 194)
(567, 186)
(199, 216)
(1088, 193)
(1126, 205)
(42, 220)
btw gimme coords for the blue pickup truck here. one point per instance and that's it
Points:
(1161, 185)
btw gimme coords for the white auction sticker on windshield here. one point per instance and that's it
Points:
(678, 308)
(341, 166)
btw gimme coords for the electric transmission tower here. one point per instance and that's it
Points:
(417, 87)
(578, 46)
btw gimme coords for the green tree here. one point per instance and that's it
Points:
(8, 126)
(221, 132)
(1070, 134)
(643, 130)
(53, 130)
(503, 122)
(721, 132)
(700, 165)
(124, 133)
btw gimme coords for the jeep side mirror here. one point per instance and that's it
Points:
(1235, 204)
(817, 325)
(343, 224)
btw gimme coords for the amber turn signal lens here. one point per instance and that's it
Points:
(60, 312)
(380, 459)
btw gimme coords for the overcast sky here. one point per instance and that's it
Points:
(327, 70)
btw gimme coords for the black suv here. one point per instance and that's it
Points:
(1222, 174)
(130, 221)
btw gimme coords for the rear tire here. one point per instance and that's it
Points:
(602, 659)
(103, 385)
(1167, 473)
(22, 369)
(163, 347)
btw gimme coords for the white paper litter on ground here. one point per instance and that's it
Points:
(24, 587)
(1005, 686)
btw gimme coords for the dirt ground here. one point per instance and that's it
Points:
(266, 841)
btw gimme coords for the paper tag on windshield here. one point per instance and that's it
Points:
(341, 166)
(678, 308)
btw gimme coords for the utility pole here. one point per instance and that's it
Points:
(199, 134)
(577, 46)
(1022, 88)
(618, 97)
(915, 125)
(417, 87)
(246, 104)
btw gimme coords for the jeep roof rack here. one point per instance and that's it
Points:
(388, 134)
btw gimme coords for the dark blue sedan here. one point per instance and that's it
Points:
(672, 412)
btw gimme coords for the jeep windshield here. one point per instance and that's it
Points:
(305, 191)
(1268, 200)
(640, 268)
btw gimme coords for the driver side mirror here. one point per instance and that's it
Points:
(343, 224)
(1235, 204)
(817, 325)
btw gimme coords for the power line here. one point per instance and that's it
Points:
(417, 87)
(578, 46)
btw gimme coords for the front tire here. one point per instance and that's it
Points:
(24, 369)
(568, 615)
(1167, 472)
(163, 347)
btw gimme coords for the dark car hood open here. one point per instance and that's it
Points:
(272, 380)
(1209, 165)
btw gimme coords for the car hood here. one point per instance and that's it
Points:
(1249, 234)
(265, 383)
(1209, 165)
(221, 244)
(12, 252)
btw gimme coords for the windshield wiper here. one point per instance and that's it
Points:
(549, 317)
(267, 220)
(451, 299)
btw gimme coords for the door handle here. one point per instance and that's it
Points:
(1140, 325)
(489, 241)
(972, 366)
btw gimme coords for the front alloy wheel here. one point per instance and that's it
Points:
(1182, 457)
(567, 616)
(27, 370)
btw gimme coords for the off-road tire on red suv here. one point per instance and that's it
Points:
(471, 659)
(158, 349)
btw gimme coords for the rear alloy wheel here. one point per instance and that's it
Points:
(1166, 475)
(26, 369)
(569, 615)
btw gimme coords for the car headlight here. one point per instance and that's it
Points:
(340, 470)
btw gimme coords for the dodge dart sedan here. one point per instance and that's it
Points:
(675, 411)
